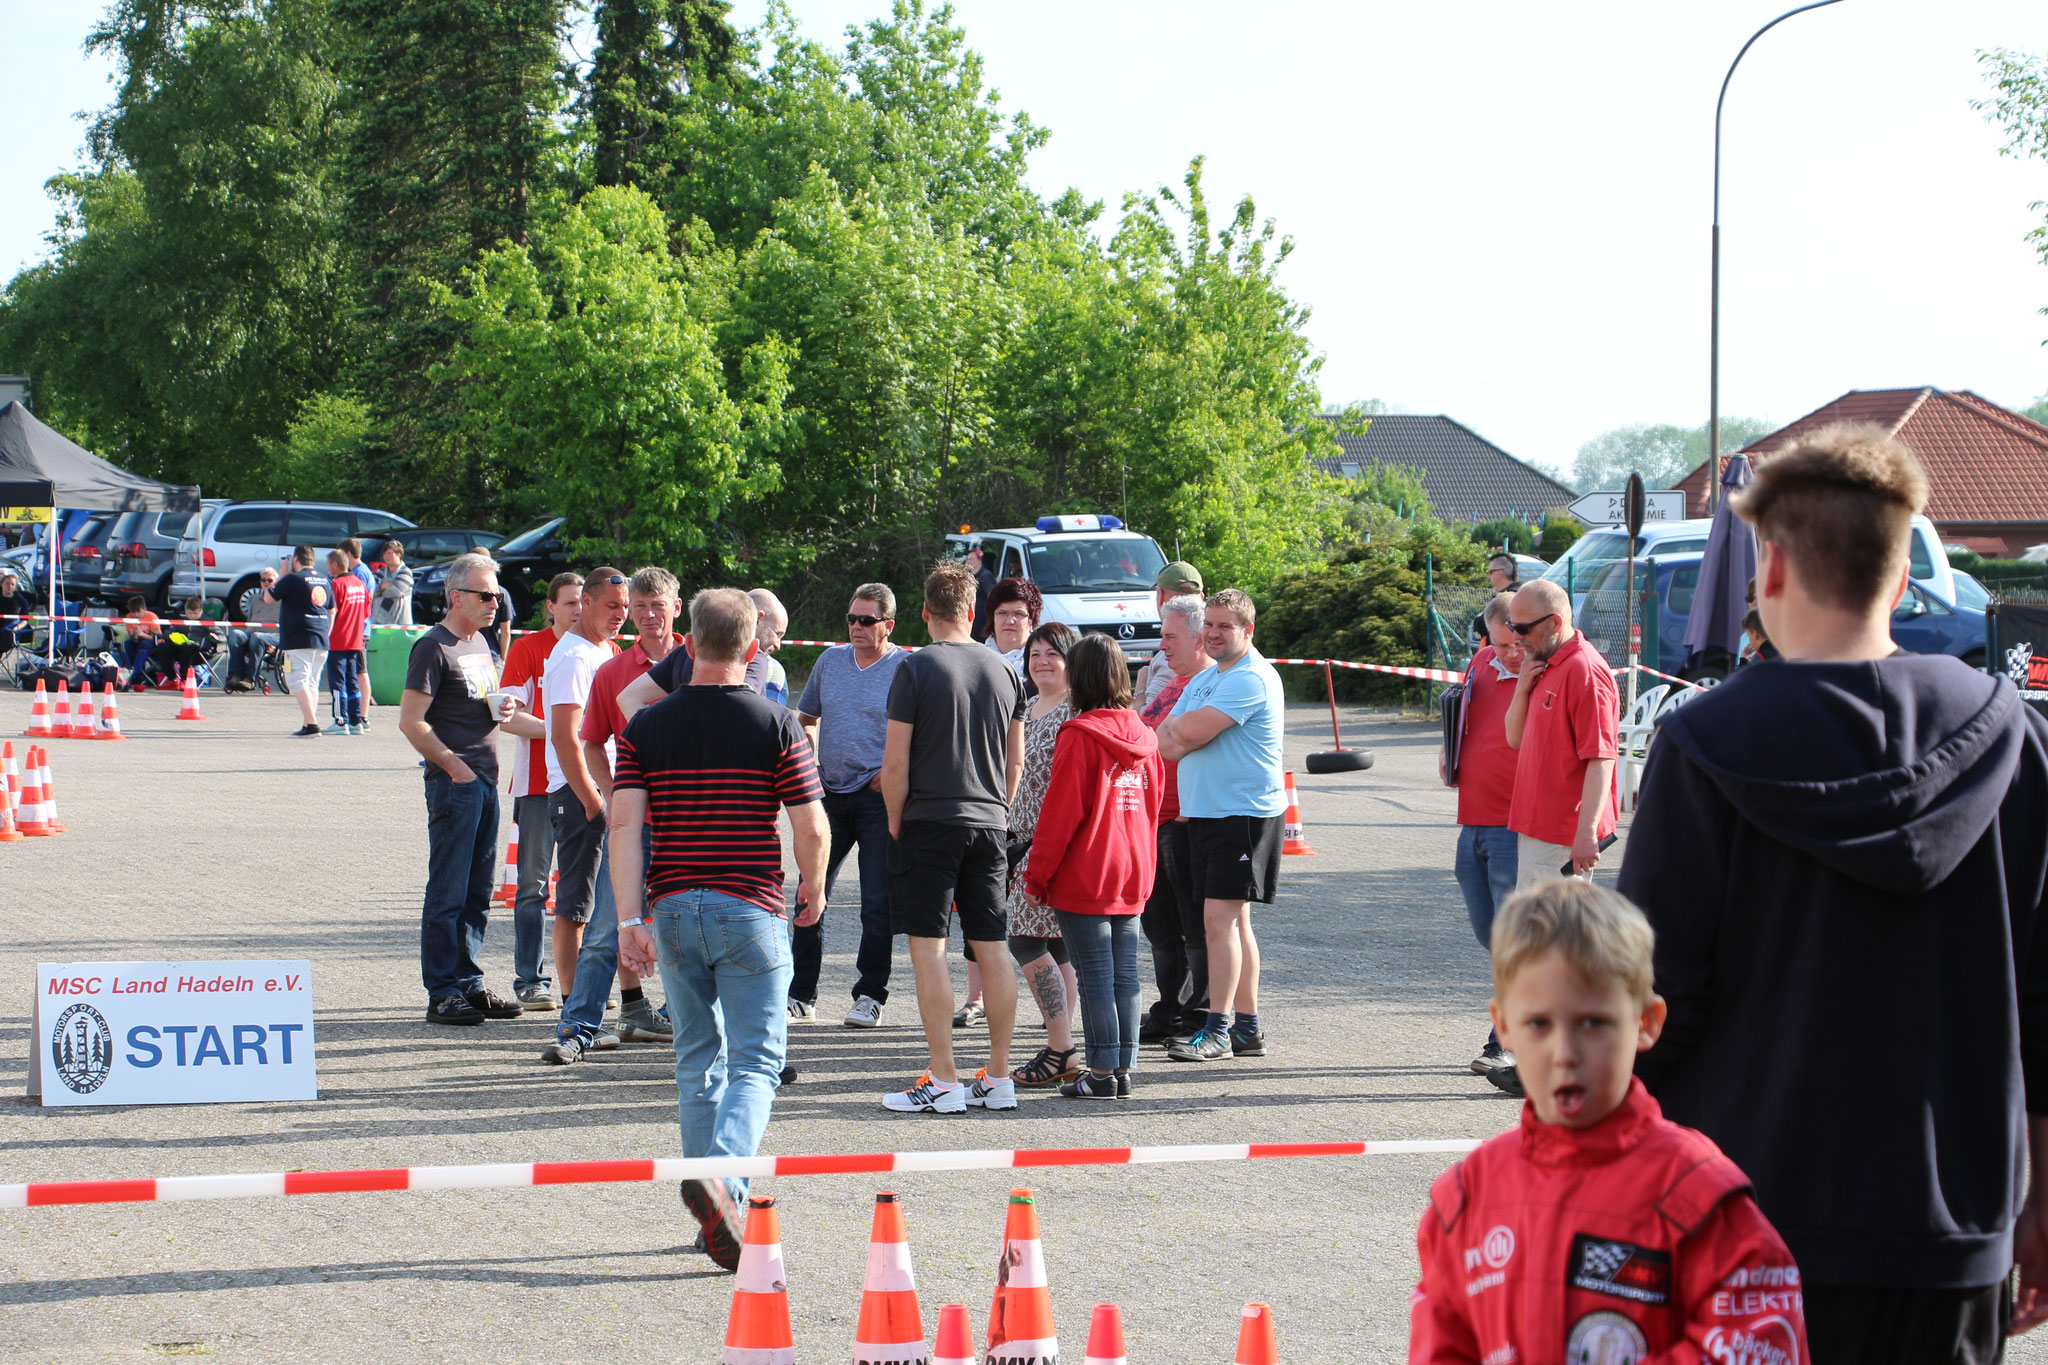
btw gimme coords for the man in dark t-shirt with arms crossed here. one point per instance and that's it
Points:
(950, 765)
(448, 715)
(707, 768)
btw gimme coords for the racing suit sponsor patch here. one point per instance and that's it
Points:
(1622, 1269)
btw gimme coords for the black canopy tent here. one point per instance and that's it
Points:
(40, 468)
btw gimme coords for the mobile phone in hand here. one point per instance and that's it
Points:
(1566, 870)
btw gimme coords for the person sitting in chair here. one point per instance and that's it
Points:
(248, 644)
(183, 644)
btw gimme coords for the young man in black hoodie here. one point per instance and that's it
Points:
(1844, 855)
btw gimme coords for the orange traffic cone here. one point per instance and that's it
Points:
(1105, 1336)
(1290, 826)
(890, 1328)
(1255, 1344)
(10, 775)
(50, 819)
(60, 726)
(189, 709)
(8, 833)
(508, 878)
(1020, 1330)
(30, 820)
(757, 1333)
(110, 716)
(81, 719)
(39, 714)
(955, 1343)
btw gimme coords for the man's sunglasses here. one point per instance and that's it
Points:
(612, 580)
(1524, 627)
(481, 595)
(866, 622)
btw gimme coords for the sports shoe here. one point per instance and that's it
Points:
(866, 1013)
(983, 1093)
(719, 1219)
(638, 1023)
(1091, 1087)
(303, 732)
(492, 1005)
(335, 729)
(453, 1009)
(1203, 1047)
(537, 997)
(1247, 1044)
(1123, 1085)
(1506, 1078)
(929, 1097)
(602, 1042)
(564, 1051)
(359, 729)
(1492, 1057)
(802, 1011)
(969, 1015)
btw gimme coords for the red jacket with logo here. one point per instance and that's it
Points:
(1097, 843)
(1630, 1242)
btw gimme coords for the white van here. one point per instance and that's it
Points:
(1576, 567)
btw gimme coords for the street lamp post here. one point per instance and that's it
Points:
(1714, 344)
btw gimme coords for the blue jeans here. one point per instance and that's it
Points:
(1104, 951)
(725, 967)
(597, 962)
(462, 856)
(344, 675)
(855, 817)
(1486, 874)
(530, 961)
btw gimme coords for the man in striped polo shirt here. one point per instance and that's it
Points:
(708, 768)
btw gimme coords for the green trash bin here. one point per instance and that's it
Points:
(390, 649)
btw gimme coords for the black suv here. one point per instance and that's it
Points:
(527, 559)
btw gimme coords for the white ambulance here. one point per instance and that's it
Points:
(1092, 572)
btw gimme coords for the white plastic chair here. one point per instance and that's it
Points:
(1638, 728)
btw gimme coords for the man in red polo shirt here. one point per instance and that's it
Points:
(525, 662)
(1487, 859)
(1564, 721)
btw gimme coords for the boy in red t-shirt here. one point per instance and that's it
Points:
(345, 666)
(1597, 1230)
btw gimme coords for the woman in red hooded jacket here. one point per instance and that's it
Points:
(1093, 855)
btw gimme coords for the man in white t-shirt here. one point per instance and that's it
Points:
(575, 805)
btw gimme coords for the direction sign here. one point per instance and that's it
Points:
(1610, 508)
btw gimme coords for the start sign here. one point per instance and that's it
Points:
(172, 1032)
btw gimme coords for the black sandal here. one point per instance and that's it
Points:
(1047, 1068)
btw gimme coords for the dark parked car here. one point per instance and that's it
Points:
(429, 545)
(85, 558)
(527, 559)
(1922, 623)
(140, 552)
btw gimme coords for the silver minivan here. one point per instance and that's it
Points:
(238, 540)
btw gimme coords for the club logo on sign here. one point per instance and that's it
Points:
(82, 1047)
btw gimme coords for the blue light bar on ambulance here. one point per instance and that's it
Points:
(1105, 522)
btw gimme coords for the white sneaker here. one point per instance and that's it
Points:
(1000, 1093)
(801, 1011)
(866, 1013)
(930, 1097)
(603, 1042)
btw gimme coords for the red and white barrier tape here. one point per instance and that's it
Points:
(521, 1175)
(1430, 674)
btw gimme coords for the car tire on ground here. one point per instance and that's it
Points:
(1340, 761)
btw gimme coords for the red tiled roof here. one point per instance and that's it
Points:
(1984, 463)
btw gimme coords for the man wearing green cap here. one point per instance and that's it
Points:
(1177, 579)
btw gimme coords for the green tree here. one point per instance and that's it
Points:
(451, 149)
(196, 293)
(649, 53)
(592, 364)
(1662, 453)
(2019, 105)
(2037, 410)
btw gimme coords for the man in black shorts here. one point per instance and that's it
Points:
(950, 766)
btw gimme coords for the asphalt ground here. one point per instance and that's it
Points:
(228, 839)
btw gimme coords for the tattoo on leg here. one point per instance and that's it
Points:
(1049, 990)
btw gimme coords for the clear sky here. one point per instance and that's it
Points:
(1500, 210)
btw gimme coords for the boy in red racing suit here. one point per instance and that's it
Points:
(1597, 1232)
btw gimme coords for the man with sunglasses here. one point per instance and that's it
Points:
(845, 711)
(1564, 724)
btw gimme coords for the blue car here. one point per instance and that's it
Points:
(1923, 623)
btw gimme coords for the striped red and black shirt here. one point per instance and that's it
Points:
(717, 763)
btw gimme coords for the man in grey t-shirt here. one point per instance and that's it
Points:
(950, 765)
(845, 711)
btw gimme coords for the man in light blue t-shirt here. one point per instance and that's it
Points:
(1225, 732)
(845, 711)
